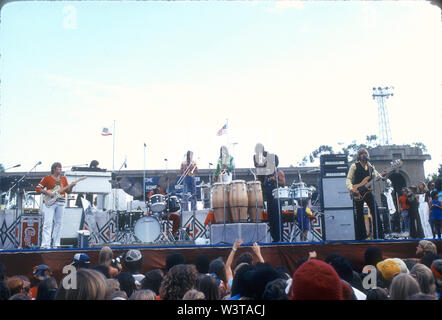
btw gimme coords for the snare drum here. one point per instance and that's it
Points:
(147, 229)
(173, 204)
(255, 200)
(283, 193)
(157, 203)
(220, 201)
(238, 200)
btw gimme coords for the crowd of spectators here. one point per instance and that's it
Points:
(245, 276)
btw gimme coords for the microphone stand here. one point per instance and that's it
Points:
(278, 204)
(18, 185)
(375, 206)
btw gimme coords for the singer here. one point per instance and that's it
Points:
(357, 172)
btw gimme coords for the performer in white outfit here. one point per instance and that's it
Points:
(424, 210)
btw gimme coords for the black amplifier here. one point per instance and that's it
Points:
(333, 165)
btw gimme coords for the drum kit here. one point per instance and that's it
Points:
(147, 227)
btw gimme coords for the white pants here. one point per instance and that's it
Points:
(52, 217)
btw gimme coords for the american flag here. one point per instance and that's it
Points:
(222, 131)
(106, 132)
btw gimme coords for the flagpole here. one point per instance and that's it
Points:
(113, 149)
(144, 174)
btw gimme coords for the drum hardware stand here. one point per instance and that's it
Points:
(279, 205)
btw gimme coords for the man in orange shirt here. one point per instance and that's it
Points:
(403, 208)
(53, 213)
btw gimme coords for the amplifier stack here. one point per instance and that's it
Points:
(336, 203)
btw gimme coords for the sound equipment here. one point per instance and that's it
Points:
(335, 193)
(333, 165)
(29, 231)
(339, 224)
(248, 232)
(335, 200)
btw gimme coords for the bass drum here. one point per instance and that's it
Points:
(147, 229)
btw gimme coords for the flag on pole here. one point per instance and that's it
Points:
(222, 131)
(106, 132)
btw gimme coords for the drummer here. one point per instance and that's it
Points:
(225, 166)
(273, 211)
(161, 189)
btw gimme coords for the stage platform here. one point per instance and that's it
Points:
(21, 261)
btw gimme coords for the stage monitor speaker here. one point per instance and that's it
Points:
(334, 193)
(248, 232)
(339, 224)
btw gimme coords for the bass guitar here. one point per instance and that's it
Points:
(57, 191)
(360, 190)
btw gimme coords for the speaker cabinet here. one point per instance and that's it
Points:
(334, 193)
(339, 224)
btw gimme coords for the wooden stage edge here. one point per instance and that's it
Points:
(21, 262)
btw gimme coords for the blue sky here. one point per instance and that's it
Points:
(291, 75)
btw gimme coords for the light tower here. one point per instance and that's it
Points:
(380, 95)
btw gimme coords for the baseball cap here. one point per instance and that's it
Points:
(82, 258)
(133, 255)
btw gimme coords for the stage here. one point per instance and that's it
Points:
(21, 261)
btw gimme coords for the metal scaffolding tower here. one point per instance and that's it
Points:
(380, 95)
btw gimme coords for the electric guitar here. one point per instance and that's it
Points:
(49, 201)
(360, 190)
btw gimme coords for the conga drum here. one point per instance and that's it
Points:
(256, 202)
(220, 201)
(238, 200)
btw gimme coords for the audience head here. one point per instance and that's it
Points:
(202, 264)
(104, 269)
(143, 295)
(436, 268)
(81, 260)
(316, 280)
(112, 285)
(275, 290)
(152, 280)
(208, 285)
(41, 272)
(388, 269)
(260, 277)
(403, 286)
(341, 265)
(425, 247)
(194, 294)
(174, 259)
(127, 282)
(424, 277)
(429, 258)
(373, 256)
(15, 285)
(218, 268)
(377, 294)
(133, 261)
(180, 279)
(119, 295)
(91, 285)
(20, 296)
(105, 256)
(246, 257)
(47, 289)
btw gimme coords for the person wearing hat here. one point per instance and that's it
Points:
(39, 273)
(317, 280)
(133, 262)
(388, 268)
(81, 260)
(436, 268)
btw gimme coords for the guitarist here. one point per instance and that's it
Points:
(357, 172)
(53, 214)
(189, 168)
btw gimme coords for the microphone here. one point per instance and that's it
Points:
(38, 163)
(17, 165)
